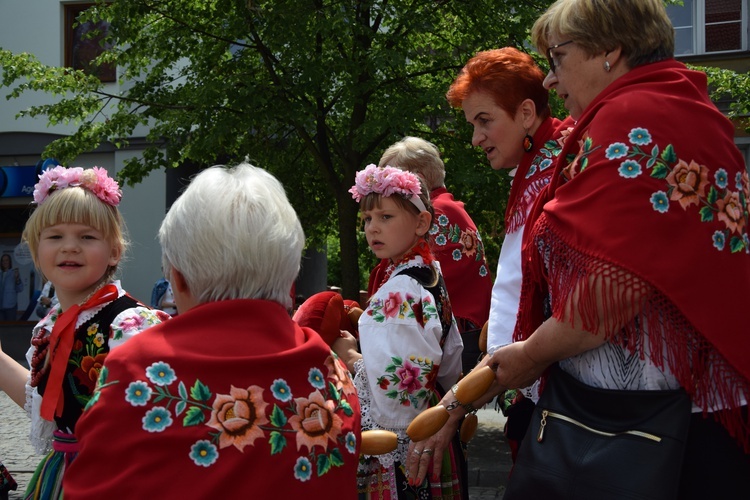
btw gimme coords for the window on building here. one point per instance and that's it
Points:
(84, 42)
(710, 26)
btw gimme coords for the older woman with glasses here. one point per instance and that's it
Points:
(642, 228)
(636, 273)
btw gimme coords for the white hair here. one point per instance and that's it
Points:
(233, 234)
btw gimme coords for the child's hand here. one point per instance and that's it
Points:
(347, 349)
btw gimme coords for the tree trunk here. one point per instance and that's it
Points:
(350, 284)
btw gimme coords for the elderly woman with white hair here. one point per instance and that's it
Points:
(231, 395)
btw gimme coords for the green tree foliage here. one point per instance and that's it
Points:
(312, 90)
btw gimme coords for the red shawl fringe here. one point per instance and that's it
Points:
(573, 276)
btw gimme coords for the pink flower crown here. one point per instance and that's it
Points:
(94, 179)
(387, 181)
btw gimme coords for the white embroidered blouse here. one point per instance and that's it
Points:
(402, 360)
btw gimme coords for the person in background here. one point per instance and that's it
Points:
(231, 396)
(10, 286)
(47, 300)
(167, 303)
(76, 236)
(410, 344)
(160, 288)
(455, 243)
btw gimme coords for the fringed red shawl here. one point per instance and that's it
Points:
(533, 173)
(650, 190)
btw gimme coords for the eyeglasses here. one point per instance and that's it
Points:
(552, 63)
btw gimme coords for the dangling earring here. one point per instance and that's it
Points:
(528, 143)
(607, 67)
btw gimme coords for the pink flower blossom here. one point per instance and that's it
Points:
(132, 323)
(408, 378)
(385, 181)
(95, 180)
(392, 305)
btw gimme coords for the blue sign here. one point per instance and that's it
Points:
(19, 180)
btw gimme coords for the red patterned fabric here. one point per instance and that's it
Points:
(533, 173)
(650, 190)
(230, 396)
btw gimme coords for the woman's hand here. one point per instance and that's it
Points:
(513, 366)
(346, 349)
(429, 452)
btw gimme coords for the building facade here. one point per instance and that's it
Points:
(45, 28)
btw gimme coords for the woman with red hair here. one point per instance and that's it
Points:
(502, 95)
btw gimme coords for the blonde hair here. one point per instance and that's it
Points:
(76, 205)
(418, 156)
(641, 28)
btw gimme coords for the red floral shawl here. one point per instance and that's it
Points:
(229, 397)
(651, 186)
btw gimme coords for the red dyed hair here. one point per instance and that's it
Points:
(507, 74)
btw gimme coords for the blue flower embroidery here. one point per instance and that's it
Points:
(440, 240)
(281, 390)
(722, 178)
(157, 419)
(203, 453)
(138, 393)
(660, 201)
(532, 171)
(719, 240)
(545, 164)
(456, 254)
(442, 220)
(434, 230)
(303, 469)
(738, 180)
(639, 137)
(616, 150)
(482, 270)
(629, 169)
(160, 373)
(351, 443)
(316, 378)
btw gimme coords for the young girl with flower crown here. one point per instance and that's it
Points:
(410, 347)
(77, 238)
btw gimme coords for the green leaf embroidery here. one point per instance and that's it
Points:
(660, 171)
(200, 392)
(713, 195)
(324, 464)
(278, 419)
(194, 416)
(182, 391)
(336, 458)
(707, 214)
(736, 244)
(278, 442)
(179, 408)
(669, 155)
(347, 408)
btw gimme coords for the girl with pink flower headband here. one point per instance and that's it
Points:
(409, 349)
(76, 236)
